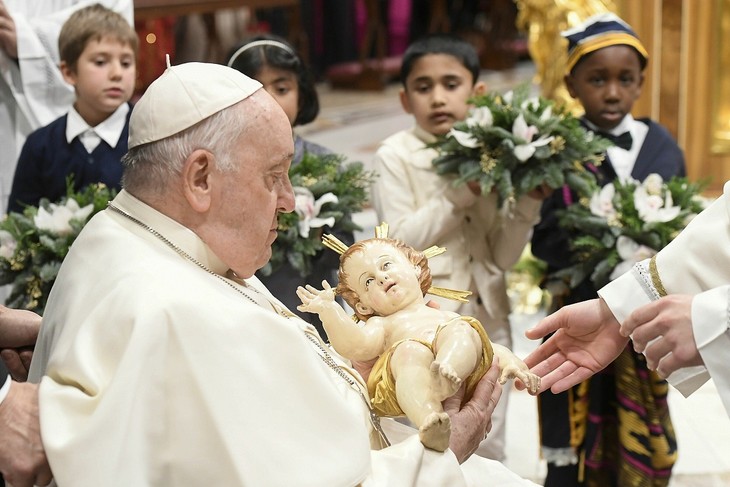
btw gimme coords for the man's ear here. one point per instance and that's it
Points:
(197, 175)
(363, 309)
(68, 73)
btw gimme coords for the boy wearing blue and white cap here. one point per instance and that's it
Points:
(585, 431)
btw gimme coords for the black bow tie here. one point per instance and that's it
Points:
(624, 140)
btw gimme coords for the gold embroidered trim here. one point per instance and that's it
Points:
(655, 279)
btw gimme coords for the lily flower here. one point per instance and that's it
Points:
(602, 202)
(525, 132)
(464, 138)
(654, 208)
(308, 210)
(631, 253)
(58, 219)
(480, 116)
(653, 184)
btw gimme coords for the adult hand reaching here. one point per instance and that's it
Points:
(585, 339)
(18, 333)
(662, 331)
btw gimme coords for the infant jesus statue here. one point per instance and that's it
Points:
(424, 354)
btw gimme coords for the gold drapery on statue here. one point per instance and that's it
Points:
(543, 21)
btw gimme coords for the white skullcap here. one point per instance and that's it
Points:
(183, 96)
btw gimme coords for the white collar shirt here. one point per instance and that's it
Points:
(110, 130)
(623, 160)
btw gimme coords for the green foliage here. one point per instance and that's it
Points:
(34, 243)
(320, 174)
(600, 226)
(562, 147)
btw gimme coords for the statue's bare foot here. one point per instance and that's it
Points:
(445, 380)
(435, 431)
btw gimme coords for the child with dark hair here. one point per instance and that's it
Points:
(615, 429)
(98, 50)
(439, 75)
(274, 63)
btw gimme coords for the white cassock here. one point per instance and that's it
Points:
(696, 262)
(32, 91)
(157, 372)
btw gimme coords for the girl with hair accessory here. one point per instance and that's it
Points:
(424, 355)
(274, 63)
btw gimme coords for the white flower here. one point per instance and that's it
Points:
(507, 97)
(525, 132)
(464, 138)
(480, 116)
(308, 208)
(58, 220)
(653, 184)
(7, 244)
(631, 253)
(602, 202)
(652, 208)
(532, 103)
(545, 116)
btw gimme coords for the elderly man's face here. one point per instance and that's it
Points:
(251, 197)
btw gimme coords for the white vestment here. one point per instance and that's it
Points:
(696, 262)
(32, 91)
(156, 372)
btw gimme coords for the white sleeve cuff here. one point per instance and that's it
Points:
(5, 388)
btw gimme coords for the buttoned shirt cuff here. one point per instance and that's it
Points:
(5, 388)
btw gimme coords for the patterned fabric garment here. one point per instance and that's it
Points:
(629, 439)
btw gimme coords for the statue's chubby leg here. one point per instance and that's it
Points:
(411, 368)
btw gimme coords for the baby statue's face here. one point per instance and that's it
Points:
(384, 279)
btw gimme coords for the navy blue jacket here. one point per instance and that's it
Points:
(47, 160)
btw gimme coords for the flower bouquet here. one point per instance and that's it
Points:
(34, 243)
(326, 193)
(513, 143)
(624, 223)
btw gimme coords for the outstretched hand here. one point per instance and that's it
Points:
(514, 368)
(315, 300)
(585, 339)
(471, 422)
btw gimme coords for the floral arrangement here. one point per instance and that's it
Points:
(514, 142)
(34, 243)
(327, 193)
(624, 223)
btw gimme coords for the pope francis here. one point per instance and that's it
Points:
(162, 361)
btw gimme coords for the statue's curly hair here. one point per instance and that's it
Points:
(414, 256)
